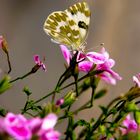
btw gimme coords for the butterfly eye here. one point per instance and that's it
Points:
(82, 24)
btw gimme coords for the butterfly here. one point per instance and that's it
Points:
(69, 27)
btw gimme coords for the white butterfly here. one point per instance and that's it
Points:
(69, 27)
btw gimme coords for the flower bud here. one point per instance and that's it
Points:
(131, 106)
(59, 102)
(5, 84)
(69, 99)
(137, 117)
(3, 44)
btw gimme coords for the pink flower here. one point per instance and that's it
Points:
(83, 65)
(108, 75)
(130, 124)
(39, 62)
(16, 126)
(136, 79)
(87, 60)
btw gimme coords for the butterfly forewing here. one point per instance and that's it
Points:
(69, 27)
(80, 13)
(55, 27)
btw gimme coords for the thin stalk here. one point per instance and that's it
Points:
(25, 106)
(22, 77)
(9, 63)
(60, 82)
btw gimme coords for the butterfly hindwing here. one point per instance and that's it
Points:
(69, 27)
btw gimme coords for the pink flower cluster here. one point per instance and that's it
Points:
(20, 128)
(86, 61)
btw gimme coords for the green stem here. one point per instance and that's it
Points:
(82, 107)
(25, 106)
(22, 77)
(9, 63)
(39, 100)
(60, 82)
(82, 78)
(100, 119)
(88, 104)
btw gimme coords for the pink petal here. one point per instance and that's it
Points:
(66, 53)
(85, 66)
(16, 126)
(34, 124)
(114, 74)
(107, 78)
(105, 53)
(49, 122)
(81, 56)
(95, 57)
(110, 63)
(36, 59)
(39, 62)
(50, 135)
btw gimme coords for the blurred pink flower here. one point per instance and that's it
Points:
(136, 79)
(130, 124)
(39, 62)
(16, 126)
(19, 128)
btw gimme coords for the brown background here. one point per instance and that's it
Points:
(113, 22)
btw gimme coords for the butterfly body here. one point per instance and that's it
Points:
(69, 27)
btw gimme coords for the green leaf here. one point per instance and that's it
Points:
(5, 84)
(82, 123)
(104, 110)
(100, 94)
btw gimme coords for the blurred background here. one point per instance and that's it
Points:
(116, 23)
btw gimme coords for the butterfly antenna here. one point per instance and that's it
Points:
(100, 45)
